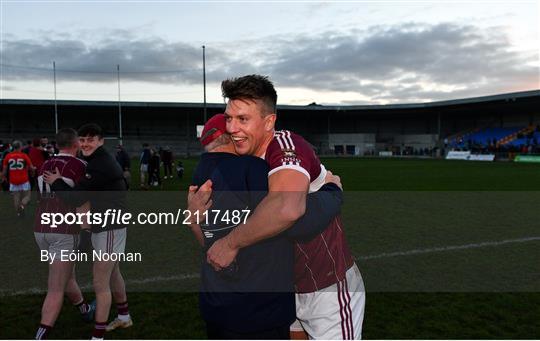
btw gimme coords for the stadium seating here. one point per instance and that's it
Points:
(523, 141)
(511, 136)
(509, 139)
(486, 136)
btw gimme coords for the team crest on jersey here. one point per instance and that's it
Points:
(289, 157)
(88, 176)
(289, 153)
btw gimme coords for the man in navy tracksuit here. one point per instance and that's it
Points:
(254, 297)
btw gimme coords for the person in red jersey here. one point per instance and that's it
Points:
(37, 154)
(330, 295)
(62, 238)
(18, 164)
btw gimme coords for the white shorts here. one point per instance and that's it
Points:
(19, 188)
(144, 168)
(56, 242)
(111, 241)
(335, 312)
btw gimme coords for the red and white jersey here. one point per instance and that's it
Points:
(72, 170)
(325, 259)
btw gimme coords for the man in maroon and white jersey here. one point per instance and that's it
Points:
(72, 169)
(330, 291)
(314, 270)
(60, 239)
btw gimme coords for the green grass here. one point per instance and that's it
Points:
(390, 206)
(376, 174)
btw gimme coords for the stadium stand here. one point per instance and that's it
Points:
(395, 129)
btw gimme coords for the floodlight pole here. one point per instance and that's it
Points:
(204, 82)
(439, 141)
(119, 107)
(55, 104)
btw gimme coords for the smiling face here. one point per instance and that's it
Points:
(89, 144)
(250, 131)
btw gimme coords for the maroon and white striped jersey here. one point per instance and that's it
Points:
(72, 170)
(325, 259)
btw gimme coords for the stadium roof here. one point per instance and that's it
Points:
(501, 97)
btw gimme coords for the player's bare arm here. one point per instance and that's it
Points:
(284, 204)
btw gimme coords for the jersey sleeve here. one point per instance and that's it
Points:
(290, 151)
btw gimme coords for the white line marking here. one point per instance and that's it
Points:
(182, 277)
(32, 291)
(448, 248)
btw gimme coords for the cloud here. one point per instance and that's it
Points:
(7, 88)
(400, 63)
(152, 60)
(444, 54)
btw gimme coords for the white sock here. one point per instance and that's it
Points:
(124, 318)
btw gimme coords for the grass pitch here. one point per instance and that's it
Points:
(447, 249)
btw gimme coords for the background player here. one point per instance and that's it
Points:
(18, 165)
(54, 240)
(144, 160)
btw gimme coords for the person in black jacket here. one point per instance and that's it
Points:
(144, 160)
(154, 172)
(102, 188)
(167, 159)
(122, 157)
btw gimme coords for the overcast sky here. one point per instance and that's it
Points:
(362, 52)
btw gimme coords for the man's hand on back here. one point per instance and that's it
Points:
(333, 178)
(199, 201)
(51, 177)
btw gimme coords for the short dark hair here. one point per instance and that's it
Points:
(16, 144)
(90, 129)
(251, 87)
(66, 137)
